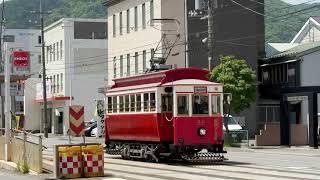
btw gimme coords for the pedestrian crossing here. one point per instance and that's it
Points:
(118, 169)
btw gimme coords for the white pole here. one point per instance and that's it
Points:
(7, 102)
(70, 62)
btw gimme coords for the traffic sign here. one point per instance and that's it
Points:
(76, 120)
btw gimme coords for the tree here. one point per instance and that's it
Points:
(238, 79)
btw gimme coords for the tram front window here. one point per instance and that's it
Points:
(183, 105)
(200, 105)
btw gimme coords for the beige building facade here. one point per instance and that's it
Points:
(133, 35)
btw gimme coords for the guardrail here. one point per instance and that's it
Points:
(25, 149)
(239, 138)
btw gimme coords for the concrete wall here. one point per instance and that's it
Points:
(2, 146)
(31, 108)
(33, 154)
(270, 135)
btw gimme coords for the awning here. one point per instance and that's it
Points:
(54, 99)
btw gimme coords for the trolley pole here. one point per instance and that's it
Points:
(45, 102)
(210, 32)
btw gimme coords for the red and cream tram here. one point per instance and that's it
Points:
(167, 114)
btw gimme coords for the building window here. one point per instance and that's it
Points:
(54, 52)
(128, 64)
(61, 49)
(144, 60)
(50, 52)
(136, 62)
(58, 83)
(47, 54)
(128, 21)
(269, 113)
(143, 16)
(61, 82)
(114, 26)
(39, 59)
(54, 83)
(121, 66)
(114, 67)
(136, 18)
(151, 12)
(58, 51)
(120, 22)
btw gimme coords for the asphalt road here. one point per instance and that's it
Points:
(242, 164)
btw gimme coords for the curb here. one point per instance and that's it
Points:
(11, 166)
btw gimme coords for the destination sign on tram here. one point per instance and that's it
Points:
(200, 90)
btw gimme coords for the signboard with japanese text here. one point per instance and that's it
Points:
(21, 62)
(200, 90)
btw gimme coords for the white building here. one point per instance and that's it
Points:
(22, 40)
(133, 37)
(310, 32)
(76, 64)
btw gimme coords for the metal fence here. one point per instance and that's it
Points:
(239, 138)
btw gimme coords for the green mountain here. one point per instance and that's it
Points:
(18, 12)
(283, 20)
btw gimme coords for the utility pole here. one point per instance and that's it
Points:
(45, 103)
(1, 57)
(210, 32)
(7, 102)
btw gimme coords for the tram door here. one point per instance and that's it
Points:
(167, 106)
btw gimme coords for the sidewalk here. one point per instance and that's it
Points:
(293, 150)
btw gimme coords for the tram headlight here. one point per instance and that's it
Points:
(202, 131)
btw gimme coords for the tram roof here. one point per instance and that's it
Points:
(162, 77)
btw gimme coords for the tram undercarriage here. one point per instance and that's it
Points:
(154, 152)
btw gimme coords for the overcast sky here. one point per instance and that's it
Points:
(298, 1)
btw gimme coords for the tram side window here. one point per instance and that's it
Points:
(146, 102)
(109, 104)
(138, 102)
(121, 103)
(183, 105)
(126, 103)
(132, 103)
(152, 101)
(114, 104)
(200, 104)
(216, 105)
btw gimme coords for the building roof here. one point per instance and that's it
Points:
(299, 50)
(276, 48)
(316, 18)
(59, 22)
(109, 3)
(313, 21)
